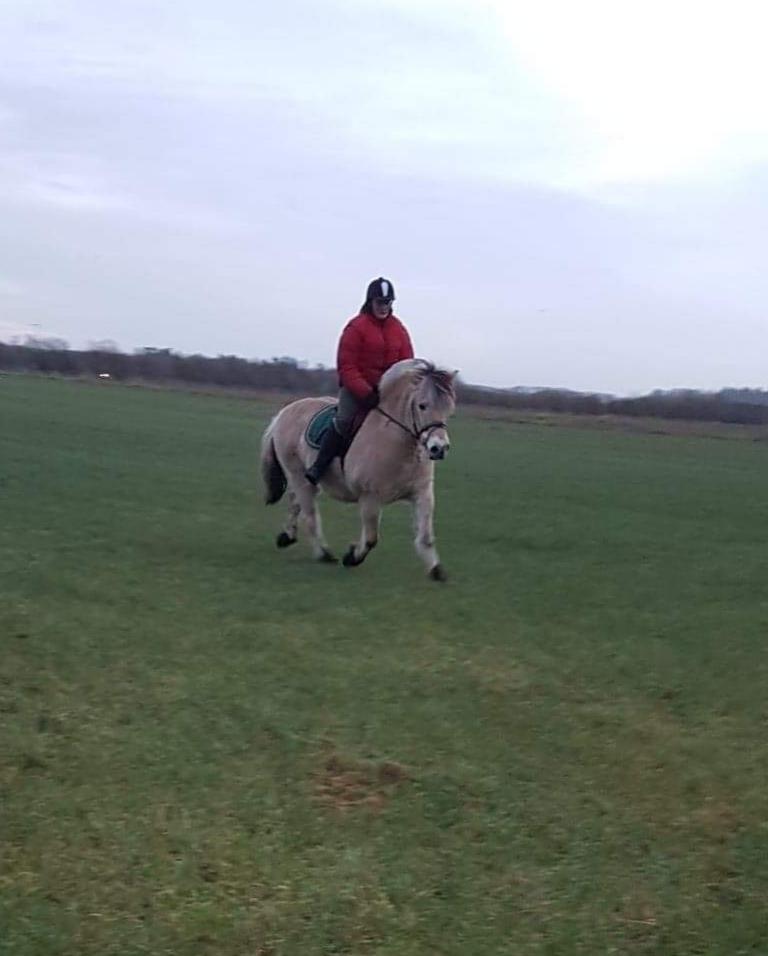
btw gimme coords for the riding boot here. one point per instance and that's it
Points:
(331, 445)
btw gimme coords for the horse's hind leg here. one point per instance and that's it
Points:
(305, 496)
(370, 515)
(423, 513)
(290, 531)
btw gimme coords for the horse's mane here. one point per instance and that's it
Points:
(417, 369)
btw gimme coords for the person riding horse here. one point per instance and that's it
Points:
(372, 342)
(392, 458)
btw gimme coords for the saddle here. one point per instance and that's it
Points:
(319, 425)
(321, 421)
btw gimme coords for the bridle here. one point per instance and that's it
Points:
(418, 434)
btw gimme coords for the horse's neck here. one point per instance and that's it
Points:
(397, 403)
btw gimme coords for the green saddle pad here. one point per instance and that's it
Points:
(319, 425)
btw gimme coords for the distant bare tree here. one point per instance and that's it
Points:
(103, 345)
(50, 344)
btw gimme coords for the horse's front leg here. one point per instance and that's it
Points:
(370, 517)
(423, 514)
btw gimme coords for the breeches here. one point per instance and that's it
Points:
(347, 412)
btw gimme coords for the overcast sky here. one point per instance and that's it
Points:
(568, 194)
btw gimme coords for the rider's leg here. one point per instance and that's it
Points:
(336, 440)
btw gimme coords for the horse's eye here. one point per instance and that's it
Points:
(422, 407)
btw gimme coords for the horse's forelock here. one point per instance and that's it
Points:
(444, 381)
(441, 383)
(436, 386)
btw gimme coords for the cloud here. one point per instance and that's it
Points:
(531, 178)
(664, 89)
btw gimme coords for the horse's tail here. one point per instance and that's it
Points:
(271, 470)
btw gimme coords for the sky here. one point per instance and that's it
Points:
(564, 194)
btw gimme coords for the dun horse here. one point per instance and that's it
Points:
(391, 458)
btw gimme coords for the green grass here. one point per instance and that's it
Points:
(208, 746)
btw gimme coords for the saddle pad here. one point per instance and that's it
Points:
(319, 425)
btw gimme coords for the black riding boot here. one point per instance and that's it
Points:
(331, 445)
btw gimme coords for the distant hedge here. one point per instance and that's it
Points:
(52, 356)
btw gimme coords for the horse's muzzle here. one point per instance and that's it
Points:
(437, 452)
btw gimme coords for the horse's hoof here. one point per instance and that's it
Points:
(284, 540)
(327, 558)
(438, 573)
(349, 560)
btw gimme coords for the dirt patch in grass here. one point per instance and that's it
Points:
(719, 818)
(346, 784)
(495, 671)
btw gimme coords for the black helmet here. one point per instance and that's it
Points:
(380, 289)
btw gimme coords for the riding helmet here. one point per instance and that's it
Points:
(380, 288)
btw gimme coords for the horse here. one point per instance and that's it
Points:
(391, 458)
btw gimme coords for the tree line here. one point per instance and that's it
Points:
(286, 374)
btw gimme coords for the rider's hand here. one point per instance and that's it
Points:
(372, 399)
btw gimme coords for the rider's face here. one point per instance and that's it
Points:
(381, 307)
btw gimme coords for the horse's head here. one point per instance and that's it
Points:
(430, 400)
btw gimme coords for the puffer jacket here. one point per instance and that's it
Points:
(367, 348)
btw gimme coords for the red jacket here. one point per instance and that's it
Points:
(367, 348)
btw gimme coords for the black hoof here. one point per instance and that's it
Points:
(438, 573)
(284, 540)
(327, 558)
(349, 560)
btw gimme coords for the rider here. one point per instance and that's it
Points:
(370, 344)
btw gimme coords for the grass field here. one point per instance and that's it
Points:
(208, 746)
